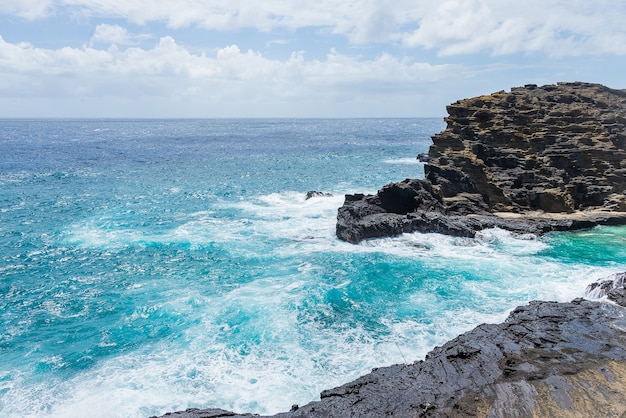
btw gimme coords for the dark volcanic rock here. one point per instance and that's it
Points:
(557, 149)
(551, 158)
(614, 288)
(547, 359)
(314, 193)
(205, 413)
(422, 157)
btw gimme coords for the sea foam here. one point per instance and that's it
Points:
(151, 266)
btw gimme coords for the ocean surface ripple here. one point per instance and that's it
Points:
(155, 265)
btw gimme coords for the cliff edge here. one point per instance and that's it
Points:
(547, 359)
(533, 160)
(536, 159)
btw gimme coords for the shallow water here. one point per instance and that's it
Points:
(154, 265)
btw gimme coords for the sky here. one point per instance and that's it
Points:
(294, 58)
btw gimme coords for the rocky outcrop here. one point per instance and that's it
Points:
(614, 288)
(550, 158)
(314, 193)
(536, 159)
(547, 359)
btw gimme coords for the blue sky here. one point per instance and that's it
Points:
(281, 58)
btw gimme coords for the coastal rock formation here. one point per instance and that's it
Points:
(547, 359)
(535, 159)
(314, 193)
(614, 288)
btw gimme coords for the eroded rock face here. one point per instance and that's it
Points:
(547, 359)
(554, 149)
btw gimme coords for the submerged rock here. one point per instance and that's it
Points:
(551, 156)
(547, 359)
(314, 193)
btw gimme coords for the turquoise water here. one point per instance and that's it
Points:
(155, 265)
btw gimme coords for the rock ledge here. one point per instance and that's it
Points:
(547, 359)
(554, 155)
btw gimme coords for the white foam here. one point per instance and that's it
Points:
(487, 243)
(291, 216)
(92, 234)
(263, 345)
(509, 264)
(410, 161)
(286, 215)
(209, 372)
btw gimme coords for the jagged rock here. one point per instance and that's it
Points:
(557, 149)
(614, 288)
(205, 413)
(422, 157)
(552, 158)
(547, 359)
(314, 193)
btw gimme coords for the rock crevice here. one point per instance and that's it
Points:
(557, 149)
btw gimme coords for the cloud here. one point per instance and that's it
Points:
(24, 58)
(276, 42)
(171, 70)
(556, 28)
(27, 9)
(116, 35)
(198, 62)
(452, 27)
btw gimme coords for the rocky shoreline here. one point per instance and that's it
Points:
(535, 160)
(552, 156)
(547, 359)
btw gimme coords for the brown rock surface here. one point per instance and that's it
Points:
(553, 148)
(556, 149)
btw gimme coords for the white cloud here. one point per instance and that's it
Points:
(555, 27)
(115, 35)
(503, 43)
(276, 42)
(230, 74)
(27, 9)
(505, 27)
(27, 59)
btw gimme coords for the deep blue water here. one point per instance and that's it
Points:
(154, 265)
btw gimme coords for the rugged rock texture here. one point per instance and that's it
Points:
(536, 159)
(614, 288)
(534, 152)
(547, 359)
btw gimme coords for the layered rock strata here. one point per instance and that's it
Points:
(547, 359)
(535, 159)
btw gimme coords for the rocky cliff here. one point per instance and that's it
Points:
(547, 359)
(535, 159)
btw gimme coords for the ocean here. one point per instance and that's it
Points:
(148, 266)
